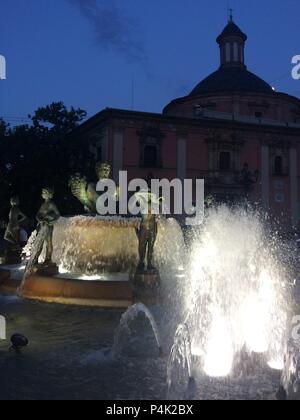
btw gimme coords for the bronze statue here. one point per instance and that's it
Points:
(147, 233)
(86, 193)
(46, 217)
(16, 216)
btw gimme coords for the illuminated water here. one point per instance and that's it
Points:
(180, 355)
(236, 294)
(124, 328)
(69, 357)
(224, 323)
(236, 307)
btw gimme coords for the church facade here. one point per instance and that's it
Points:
(233, 130)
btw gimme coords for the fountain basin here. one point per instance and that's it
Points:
(115, 291)
(88, 249)
(104, 294)
(4, 276)
(8, 285)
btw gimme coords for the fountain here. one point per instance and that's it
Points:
(124, 326)
(94, 245)
(237, 294)
(290, 380)
(236, 300)
(98, 260)
(233, 298)
(231, 301)
(180, 355)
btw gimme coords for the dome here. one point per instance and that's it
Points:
(231, 30)
(234, 79)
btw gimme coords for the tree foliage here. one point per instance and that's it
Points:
(44, 153)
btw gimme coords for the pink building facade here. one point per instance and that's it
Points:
(233, 130)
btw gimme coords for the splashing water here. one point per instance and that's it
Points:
(181, 352)
(219, 353)
(235, 298)
(126, 319)
(38, 246)
(291, 373)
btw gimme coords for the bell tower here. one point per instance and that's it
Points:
(232, 45)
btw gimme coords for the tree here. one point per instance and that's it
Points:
(4, 181)
(4, 129)
(56, 119)
(38, 155)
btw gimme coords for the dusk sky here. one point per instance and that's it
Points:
(89, 53)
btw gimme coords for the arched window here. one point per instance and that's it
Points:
(225, 162)
(150, 156)
(278, 165)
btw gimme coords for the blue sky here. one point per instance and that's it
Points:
(91, 53)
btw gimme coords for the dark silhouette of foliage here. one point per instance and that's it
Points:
(44, 153)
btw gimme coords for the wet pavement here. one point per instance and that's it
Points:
(69, 358)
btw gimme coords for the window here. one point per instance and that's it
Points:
(151, 139)
(225, 162)
(228, 53)
(278, 166)
(242, 53)
(236, 51)
(150, 156)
